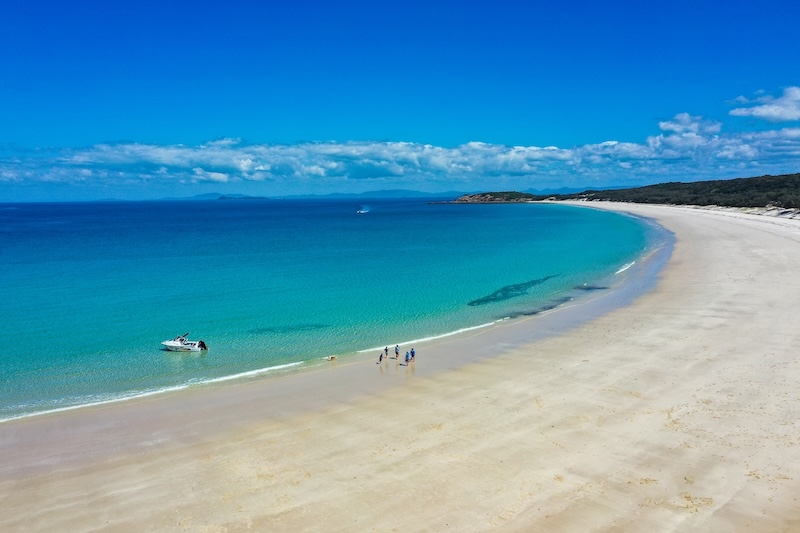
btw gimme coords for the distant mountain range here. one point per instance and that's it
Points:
(762, 191)
(395, 193)
(388, 193)
(215, 196)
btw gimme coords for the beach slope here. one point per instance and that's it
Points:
(678, 412)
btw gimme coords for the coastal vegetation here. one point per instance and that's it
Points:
(763, 191)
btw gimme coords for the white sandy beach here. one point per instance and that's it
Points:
(679, 412)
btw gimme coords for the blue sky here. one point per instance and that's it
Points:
(148, 99)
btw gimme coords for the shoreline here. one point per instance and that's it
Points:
(89, 433)
(673, 412)
(657, 238)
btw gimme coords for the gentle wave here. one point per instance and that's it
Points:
(249, 373)
(625, 267)
(123, 397)
(435, 337)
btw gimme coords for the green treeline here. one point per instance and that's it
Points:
(779, 191)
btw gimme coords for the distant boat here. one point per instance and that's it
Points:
(362, 211)
(181, 343)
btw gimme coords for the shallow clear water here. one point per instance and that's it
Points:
(89, 290)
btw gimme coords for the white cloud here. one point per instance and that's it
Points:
(687, 148)
(204, 175)
(9, 175)
(686, 123)
(738, 150)
(781, 109)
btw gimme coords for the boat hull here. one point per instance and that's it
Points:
(174, 347)
(182, 345)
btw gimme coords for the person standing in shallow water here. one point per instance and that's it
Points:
(386, 352)
(413, 355)
(397, 352)
(408, 357)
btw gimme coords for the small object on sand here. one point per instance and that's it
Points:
(331, 357)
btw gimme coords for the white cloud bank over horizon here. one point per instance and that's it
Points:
(688, 148)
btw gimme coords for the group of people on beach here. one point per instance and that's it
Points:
(410, 356)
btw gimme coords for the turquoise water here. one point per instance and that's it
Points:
(89, 290)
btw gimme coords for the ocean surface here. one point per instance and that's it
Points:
(89, 290)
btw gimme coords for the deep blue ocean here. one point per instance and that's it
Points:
(89, 290)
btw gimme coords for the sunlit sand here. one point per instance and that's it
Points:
(678, 412)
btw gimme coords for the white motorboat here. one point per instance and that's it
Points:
(182, 344)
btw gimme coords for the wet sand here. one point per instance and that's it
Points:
(676, 412)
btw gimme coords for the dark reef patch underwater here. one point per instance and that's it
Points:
(511, 291)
